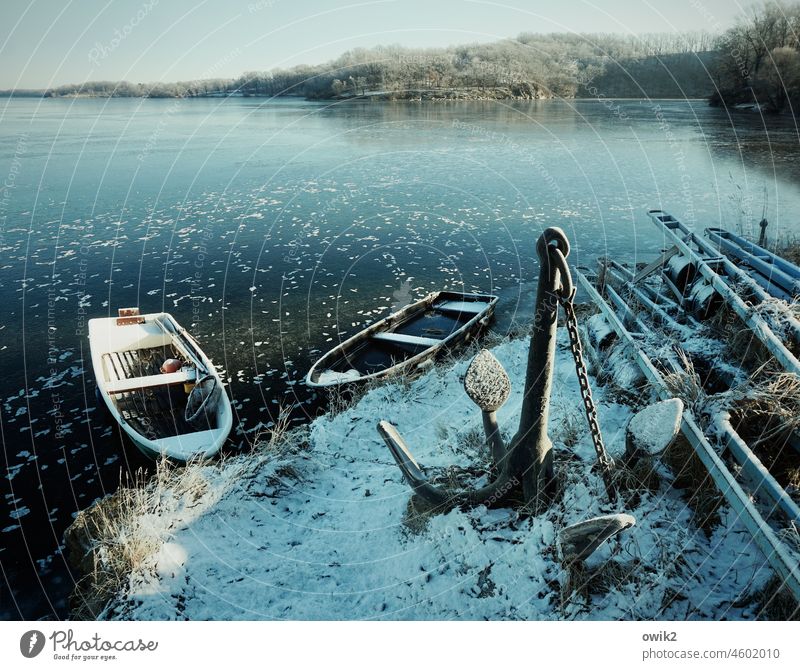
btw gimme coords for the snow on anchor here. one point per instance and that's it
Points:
(523, 473)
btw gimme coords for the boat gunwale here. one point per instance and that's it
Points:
(155, 448)
(781, 276)
(421, 305)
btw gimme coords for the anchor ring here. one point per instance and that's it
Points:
(548, 237)
(567, 290)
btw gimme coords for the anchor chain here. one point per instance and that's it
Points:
(566, 298)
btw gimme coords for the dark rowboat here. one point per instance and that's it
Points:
(779, 277)
(405, 340)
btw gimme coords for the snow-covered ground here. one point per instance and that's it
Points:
(322, 532)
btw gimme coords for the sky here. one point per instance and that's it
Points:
(47, 43)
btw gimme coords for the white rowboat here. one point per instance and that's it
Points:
(182, 414)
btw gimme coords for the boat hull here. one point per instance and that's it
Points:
(147, 404)
(779, 277)
(404, 341)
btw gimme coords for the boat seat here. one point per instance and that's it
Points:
(182, 376)
(461, 306)
(399, 338)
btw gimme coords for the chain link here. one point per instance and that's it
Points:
(605, 461)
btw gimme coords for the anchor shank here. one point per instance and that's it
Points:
(531, 451)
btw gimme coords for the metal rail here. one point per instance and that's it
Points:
(624, 278)
(760, 328)
(777, 554)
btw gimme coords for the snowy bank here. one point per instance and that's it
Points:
(321, 528)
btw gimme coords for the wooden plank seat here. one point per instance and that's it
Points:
(461, 307)
(135, 363)
(183, 376)
(399, 338)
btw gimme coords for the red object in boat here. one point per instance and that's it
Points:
(170, 365)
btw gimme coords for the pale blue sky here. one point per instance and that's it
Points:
(50, 42)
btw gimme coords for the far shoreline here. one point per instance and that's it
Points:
(364, 98)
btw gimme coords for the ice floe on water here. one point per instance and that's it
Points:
(20, 512)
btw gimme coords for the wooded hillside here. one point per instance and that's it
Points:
(759, 59)
(531, 66)
(756, 61)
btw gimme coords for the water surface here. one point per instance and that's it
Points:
(272, 229)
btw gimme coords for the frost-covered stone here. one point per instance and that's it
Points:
(486, 382)
(655, 427)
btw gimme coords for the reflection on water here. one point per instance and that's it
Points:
(278, 228)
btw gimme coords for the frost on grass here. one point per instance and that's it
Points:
(327, 531)
(119, 542)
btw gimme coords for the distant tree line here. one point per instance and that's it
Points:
(758, 60)
(532, 66)
(126, 89)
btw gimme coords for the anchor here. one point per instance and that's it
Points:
(523, 470)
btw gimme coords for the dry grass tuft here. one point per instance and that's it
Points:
(776, 603)
(278, 446)
(516, 331)
(571, 428)
(686, 383)
(343, 397)
(765, 411)
(793, 483)
(779, 314)
(117, 536)
(769, 403)
(465, 352)
(743, 348)
(472, 441)
(417, 516)
(635, 478)
(790, 250)
(582, 582)
(702, 494)
(791, 536)
(270, 439)
(456, 478)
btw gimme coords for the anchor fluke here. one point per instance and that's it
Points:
(409, 467)
(579, 541)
